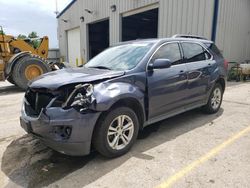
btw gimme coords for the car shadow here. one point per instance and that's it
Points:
(9, 89)
(28, 163)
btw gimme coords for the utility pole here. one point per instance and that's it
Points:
(56, 12)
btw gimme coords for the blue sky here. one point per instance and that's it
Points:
(24, 16)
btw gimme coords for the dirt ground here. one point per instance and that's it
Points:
(189, 150)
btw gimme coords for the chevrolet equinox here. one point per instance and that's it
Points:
(104, 104)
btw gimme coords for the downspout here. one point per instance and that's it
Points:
(215, 19)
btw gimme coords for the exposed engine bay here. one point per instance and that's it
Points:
(79, 97)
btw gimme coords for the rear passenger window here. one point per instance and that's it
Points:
(194, 52)
(169, 51)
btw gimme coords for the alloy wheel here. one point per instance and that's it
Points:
(120, 132)
(216, 98)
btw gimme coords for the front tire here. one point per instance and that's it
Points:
(214, 103)
(116, 132)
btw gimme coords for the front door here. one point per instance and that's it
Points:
(167, 87)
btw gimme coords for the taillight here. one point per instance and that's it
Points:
(226, 64)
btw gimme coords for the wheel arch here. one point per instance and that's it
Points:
(127, 102)
(222, 82)
(133, 104)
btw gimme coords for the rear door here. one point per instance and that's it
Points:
(167, 87)
(199, 62)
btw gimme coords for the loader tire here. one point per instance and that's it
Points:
(27, 68)
(10, 79)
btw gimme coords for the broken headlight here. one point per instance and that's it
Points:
(81, 97)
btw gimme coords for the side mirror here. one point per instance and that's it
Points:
(160, 64)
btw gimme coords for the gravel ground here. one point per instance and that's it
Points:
(161, 152)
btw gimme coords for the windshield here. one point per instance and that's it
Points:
(123, 57)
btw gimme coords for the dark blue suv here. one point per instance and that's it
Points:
(125, 88)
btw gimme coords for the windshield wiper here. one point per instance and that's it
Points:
(100, 67)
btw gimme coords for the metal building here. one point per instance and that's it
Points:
(86, 27)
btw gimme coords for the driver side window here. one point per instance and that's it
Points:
(169, 51)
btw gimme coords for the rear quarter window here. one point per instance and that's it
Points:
(212, 47)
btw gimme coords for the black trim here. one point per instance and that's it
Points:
(66, 8)
(215, 19)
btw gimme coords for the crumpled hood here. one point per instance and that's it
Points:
(56, 79)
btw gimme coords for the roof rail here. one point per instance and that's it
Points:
(189, 36)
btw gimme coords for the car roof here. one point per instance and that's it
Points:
(162, 40)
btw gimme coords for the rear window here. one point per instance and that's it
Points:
(214, 48)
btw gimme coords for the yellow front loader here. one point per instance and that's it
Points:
(20, 62)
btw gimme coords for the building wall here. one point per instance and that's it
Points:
(101, 10)
(175, 16)
(72, 18)
(233, 30)
(186, 16)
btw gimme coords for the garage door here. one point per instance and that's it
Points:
(140, 25)
(98, 37)
(74, 50)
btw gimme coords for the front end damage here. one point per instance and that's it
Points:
(62, 119)
(65, 118)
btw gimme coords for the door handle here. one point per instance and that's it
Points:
(209, 64)
(182, 71)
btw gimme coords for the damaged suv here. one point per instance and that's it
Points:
(125, 88)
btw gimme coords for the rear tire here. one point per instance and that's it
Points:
(113, 139)
(28, 68)
(215, 99)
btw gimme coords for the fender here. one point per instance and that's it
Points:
(13, 60)
(107, 94)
